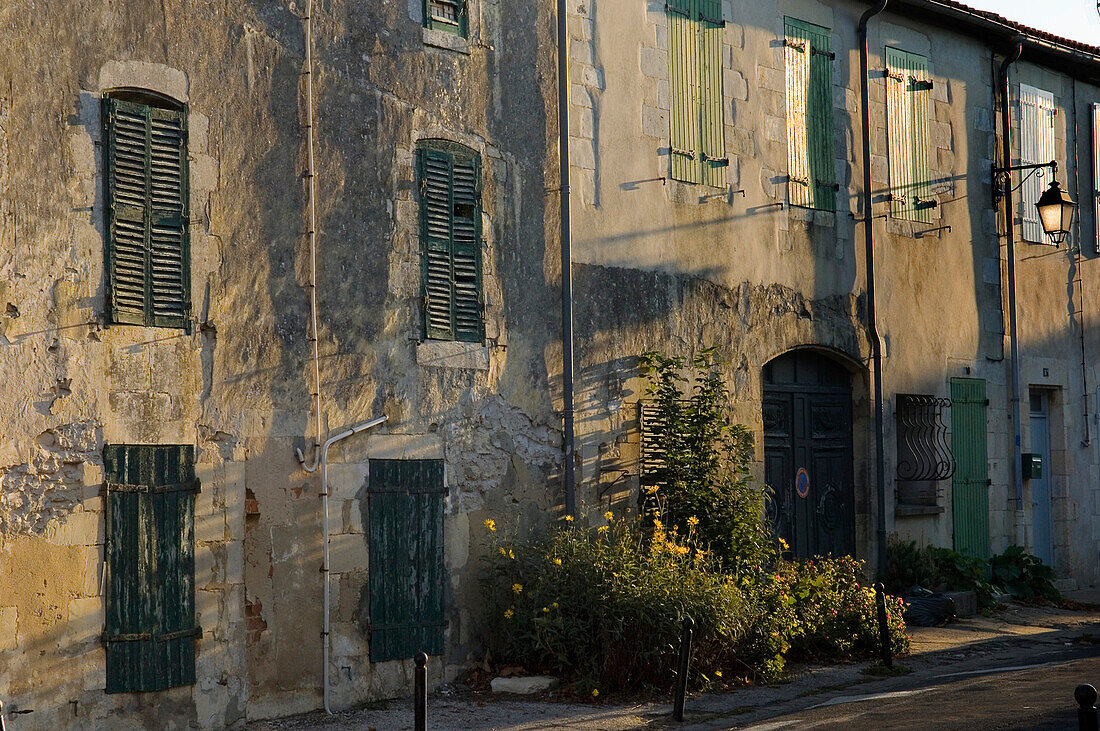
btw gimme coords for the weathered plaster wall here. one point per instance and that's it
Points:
(238, 387)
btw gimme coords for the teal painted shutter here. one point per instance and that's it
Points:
(406, 575)
(450, 235)
(713, 159)
(446, 15)
(970, 483)
(812, 168)
(696, 115)
(150, 600)
(908, 85)
(148, 250)
(683, 79)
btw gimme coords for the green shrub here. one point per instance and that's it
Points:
(604, 607)
(706, 461)
(835, 611)
(937, 569)
(1024, 576)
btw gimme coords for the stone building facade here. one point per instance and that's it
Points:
(412, 101)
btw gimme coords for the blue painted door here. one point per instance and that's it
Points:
(1040, 487)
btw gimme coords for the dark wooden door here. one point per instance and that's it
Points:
(807, 414)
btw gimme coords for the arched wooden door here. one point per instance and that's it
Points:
(807, 414)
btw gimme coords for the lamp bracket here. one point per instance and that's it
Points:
(1002, 176)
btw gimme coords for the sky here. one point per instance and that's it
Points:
(1076, 19)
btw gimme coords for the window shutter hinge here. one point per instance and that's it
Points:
(713, 21)
(685, 153)
(719, 161)
(896, 76)
(921, 84)
(799, 180)
(796, 45)
(830, 186)
(819, 52)
(679, 11)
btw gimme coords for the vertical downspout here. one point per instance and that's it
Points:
(872, 323)
(568, 437)
(1010, 270)
(1077, 259)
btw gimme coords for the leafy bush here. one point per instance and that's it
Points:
(706, 459)
(1024, 576)
(605, 606)
(835, 611)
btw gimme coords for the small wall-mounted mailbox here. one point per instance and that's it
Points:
(1033, 466)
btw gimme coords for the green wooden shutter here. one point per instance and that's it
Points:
(683, 80)
(970, 483)
(451, 16)
(810, 144)
(150, 600)
(406, 572)
(908, 85)
(713, 159)
(696, 115)
(450, 235)
(148, 250)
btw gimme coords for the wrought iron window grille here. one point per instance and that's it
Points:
(923, 451)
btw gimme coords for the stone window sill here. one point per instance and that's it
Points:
(914, 511)
(445, 40)
(450, 354)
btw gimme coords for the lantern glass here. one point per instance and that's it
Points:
(1056, 212)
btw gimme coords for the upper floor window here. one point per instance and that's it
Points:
(147, 247)
(1037, 113)
(446, 15)
(449, 181)
(908, 86)
(811, 171)
(695, 85)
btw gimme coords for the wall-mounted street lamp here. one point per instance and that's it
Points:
(1055, 206)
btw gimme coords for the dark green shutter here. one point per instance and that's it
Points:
(970, 483)
(908, 85)
(450, 235)
(406, 574)
(150, 601)
(810, 144)
(148, 249)
(451, 16)
(696, 114)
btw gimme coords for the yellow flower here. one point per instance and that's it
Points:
(546, 610)
(693, 521)
(490, 524)
(602, 529)
(682, 550)
(609, 516)
(557, 562)
(651, 489)
(508, 614)
(517, 588)
(569, 519)
(511, 554)
(503, 552)
(595, 692)
(783, 544)
(657, 523)
(554, 605)
(718, 673)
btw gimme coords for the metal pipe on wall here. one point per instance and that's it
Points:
(568, 435)
(1077, 258)
(869, 255)
(1010, 273)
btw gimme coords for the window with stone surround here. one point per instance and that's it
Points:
(1037, 115)
(147, 247)
(811, 172)
(449, 182)
(447, 15)
(695, 84)
(908, 86)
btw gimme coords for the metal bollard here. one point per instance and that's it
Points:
(685, 661)
(883, 626)
(1085, 695)
(420, 722)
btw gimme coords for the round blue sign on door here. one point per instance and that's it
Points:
(802, 482)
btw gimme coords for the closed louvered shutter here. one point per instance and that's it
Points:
(150, 627)
(148, 247)
(810, 146)
(696, 116)
(1036, 147)
(450, 233)
(908, 85)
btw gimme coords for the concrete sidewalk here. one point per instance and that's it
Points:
(1013, 637)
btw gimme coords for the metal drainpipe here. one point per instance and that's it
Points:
(1078, 260)
(869, 248)
(311, 176)
(1010, 272)
(568, 436)
(325, 643)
